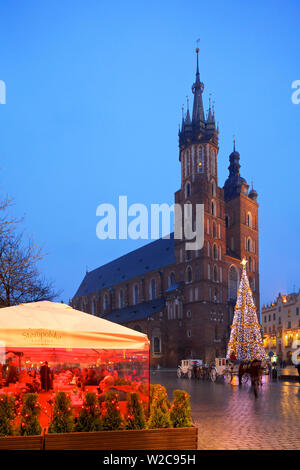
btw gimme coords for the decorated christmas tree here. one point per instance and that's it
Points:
(89, 417)
(245, 342)
(30, 425)
(7, 415)
(135, 416)
(62, 420)
(181, 415)
(159, 408)
(112, 418)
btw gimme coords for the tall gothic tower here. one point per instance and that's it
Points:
(203, 270)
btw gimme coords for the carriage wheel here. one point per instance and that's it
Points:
(213, 375)
(179, 373)
(228, 376)
(189, 374)
(245, 378)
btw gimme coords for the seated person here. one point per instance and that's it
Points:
(91, 378)
(108, 384)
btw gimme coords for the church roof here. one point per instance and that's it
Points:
(136, 312)
(144, 260)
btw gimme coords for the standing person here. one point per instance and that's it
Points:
(12, 374)
(45, 376)
(298, 369)
(255, 373)
(241, 372)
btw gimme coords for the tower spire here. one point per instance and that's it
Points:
(197, 88)
(188, 118)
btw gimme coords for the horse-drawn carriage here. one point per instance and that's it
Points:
(188, 367)
(227, 369)
(222, 368)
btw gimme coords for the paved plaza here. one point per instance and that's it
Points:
(229, 416)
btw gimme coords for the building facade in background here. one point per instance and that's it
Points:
(184, 300)
(281, 326)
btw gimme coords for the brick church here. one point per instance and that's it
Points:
(184, 300)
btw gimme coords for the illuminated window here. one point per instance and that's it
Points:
(200, 162)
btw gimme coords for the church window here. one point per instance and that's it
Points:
(213, 188)
(187, 190)
(152, 289)
(105, 302)
(189, 274)
(215, 252)
(214, 230)
(135, 294)
(156, 345)
(200, 163)
(171, 279)
(213, 162)
(249, 219)
(121, 298)
(215, 274)
(233, 279)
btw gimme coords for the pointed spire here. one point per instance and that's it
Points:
(188, 117)
(210, 116)
(197, 88)
(182, 121)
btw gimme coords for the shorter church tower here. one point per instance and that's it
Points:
(241, 224)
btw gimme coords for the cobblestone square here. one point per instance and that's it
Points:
(229, 417)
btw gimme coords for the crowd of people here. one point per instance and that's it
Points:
(45, 378)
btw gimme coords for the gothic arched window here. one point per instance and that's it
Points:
(215, 273)
(171, 279)
(189, 275)
(214, 230)
(213, 208)
(135, 294)
(200, 162)
(249, 219)
(233, 279)
(156, 345)
(187, 190)
(121, 298)
(215, 252)
(105, 302)
(152, 289)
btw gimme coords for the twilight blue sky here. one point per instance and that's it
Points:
(94, 95)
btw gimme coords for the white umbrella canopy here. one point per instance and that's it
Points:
(56, 325)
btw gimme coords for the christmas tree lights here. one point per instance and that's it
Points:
(245, 339)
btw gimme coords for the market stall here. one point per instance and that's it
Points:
(46, 347)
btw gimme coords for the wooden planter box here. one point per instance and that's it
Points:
(21, 443)
(143, 439)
